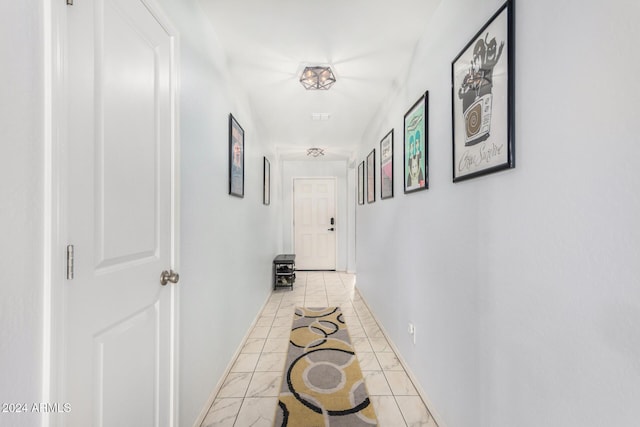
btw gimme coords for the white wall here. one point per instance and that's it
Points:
(315, 168)
(227, 243)
(523, 285)
(21, 215)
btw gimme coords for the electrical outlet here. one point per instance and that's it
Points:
(412, 332)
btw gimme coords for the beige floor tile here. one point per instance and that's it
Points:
(246, 362)
(273, 362)
(376, 383)
(265, 384)
(387, 411)
(414, 412)
(257, 412)
(400, 383)
(389, 362)
(235, 385)
(278, 345)
(253, 345)
(223, 413)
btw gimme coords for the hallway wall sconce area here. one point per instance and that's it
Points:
(317, 78)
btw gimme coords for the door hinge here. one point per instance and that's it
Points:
(69, 262)
(69, 2)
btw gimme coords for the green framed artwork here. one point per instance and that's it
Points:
(416, 146)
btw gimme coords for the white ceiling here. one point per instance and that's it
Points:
(367, 43)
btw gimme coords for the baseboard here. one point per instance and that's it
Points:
(216, 389)
(423, 394)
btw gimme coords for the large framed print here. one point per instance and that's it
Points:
(266, 181)
(236, 158)
(386, 166)
(371, 176)
(416, 146)
(482, 78)
(361, 183)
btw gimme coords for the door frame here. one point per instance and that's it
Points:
(55, 179)
(335, 205)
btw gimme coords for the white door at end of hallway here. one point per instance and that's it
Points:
(117, 364)
(315, 223)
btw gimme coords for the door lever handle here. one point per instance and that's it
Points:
(330, 229)
(169, 276)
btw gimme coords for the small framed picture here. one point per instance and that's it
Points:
(416, 146)
(236, 158)
(386, 166)
(361, 183)
(266, 182)
(371, 176)
(483, 100)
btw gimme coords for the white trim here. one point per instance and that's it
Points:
(423, 394)
(55, 118)
(174, 374)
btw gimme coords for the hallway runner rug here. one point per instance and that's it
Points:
(322, 384)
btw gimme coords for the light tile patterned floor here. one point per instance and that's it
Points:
(249, 394)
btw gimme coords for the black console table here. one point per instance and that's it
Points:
(284, 271)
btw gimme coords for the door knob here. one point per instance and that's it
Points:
(169, 276)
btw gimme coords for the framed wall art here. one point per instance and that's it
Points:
(236, 158)
(371, 176)
(266, 182)
(386, 166)
(416, 146)
(361, 183)
(483, 100)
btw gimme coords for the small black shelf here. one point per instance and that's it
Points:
(284, 271)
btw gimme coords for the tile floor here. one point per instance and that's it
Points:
(249, 394)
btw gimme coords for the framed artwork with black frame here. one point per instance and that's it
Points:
(361, 183)
(483, 100)
(371, 176)
(236, 158)
(386, 166)
(266, 182)
(416, 146)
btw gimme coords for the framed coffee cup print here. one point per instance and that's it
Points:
(483, 100)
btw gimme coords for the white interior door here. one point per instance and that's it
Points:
(314, 223)
(119, 329)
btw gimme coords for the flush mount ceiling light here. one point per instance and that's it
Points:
(317, 78)
(315, 152)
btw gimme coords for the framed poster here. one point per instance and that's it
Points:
(361, 183)
(416, 146)
(236, 158)
(483, 100)
(266, 182)
(386, 166)
(371, 176)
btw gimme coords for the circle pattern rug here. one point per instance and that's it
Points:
(322, 385)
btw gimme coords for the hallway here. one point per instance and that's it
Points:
(249, 393)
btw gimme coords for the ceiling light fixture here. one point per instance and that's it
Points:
(315, 152)
(317, 78)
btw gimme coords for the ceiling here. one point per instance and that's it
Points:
(367, 43)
